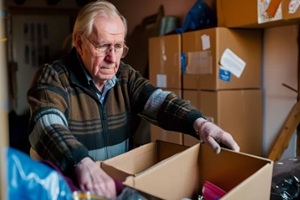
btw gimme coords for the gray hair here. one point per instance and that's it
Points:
(86, 16)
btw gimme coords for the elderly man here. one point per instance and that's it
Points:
(82, 105)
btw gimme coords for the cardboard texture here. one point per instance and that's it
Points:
(238, 112)
(164, 61)
(291, 10)
(257, 13)
(181, 176)
(211, 44)
(139, 159)
(236, 13)
(157, 133)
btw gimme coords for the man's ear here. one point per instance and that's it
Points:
(77, 39)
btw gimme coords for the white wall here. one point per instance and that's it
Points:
(280, 65)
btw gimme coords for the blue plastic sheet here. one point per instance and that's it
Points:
(30, 179)
(200, 16)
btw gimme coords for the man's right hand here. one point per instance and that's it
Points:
(92, 178)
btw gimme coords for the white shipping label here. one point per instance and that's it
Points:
(205, 42)
(269, 10)
(161, 80)
(199, 62)
(231, 62)
(293, 6)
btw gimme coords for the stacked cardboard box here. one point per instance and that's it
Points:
(206, 49)
(165, 72)
(236, 111)
(164, 61)
(257, 13)
(219, 71)
(291, 11)
(222, 78)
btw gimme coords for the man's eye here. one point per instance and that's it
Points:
(103, 46)
(118, 46)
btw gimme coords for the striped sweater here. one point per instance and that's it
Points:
(68, 122)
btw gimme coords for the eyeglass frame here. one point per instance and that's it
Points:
(108, 47)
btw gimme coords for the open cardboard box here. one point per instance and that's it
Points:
(139, 159)
(241, 175)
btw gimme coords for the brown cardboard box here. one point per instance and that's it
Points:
(257, 14)
(204, 50)
(241, 175)
(291, 10)
(157, 133)
(238, 112)
(164, 61)
(139, 159)
(250, 13)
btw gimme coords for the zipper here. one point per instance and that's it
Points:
(102, 111)
(103, 117)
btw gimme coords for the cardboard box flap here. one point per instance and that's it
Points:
(167, 179)
(228, 165)
(139, 159)
(168, 149)
(146, 154)
(255, 187)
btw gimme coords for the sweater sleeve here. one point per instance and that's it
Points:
(49, 133)
(167, 110)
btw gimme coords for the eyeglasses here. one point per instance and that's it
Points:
(104, 49)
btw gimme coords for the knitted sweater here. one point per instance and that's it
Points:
(68, 122)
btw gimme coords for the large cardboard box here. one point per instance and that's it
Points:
(157, 133)
(250, 13)
(242, 176)
(238, 50)
(257, 13)
(238, 112)
(139, 159)
(164, 61)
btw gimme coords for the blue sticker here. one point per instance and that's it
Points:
(224, 75)
(183, 62)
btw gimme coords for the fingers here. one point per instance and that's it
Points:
(229, 142)
(104, 185)
(210, 141)
(224, 138)
(213, 136)
(92, 178)
(102, 188)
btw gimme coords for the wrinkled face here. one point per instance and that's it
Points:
(102, 50)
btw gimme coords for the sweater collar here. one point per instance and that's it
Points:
(78, 73)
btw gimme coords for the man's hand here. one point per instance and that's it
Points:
(92, 178)
(213, 135)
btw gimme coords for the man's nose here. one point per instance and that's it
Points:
(111, 54)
